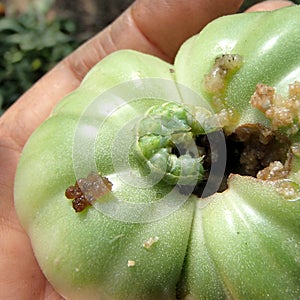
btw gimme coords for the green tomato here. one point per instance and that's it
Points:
(134, 138)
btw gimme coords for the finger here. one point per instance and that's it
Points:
(270, 5)
(180, 20)
(155, 27)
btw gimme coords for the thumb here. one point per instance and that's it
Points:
(156, 27)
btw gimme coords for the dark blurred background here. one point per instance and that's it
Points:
(36, 34)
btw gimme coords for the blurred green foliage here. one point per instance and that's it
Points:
(30, 44)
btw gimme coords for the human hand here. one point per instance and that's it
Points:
(154, 27)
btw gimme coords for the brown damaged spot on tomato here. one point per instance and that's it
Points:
(150, 242)
(87, 190)
(254, 147)
(284, 116)
(215, 81)
(255, 150)
(281, 111)
(224, 65)
(275, 171)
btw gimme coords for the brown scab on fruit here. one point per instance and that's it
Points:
(88, 190)
(224, 65)
(289, 189)
(282, 112)
(130, 263)
(226, 117)
(275, 171)
(150, 242)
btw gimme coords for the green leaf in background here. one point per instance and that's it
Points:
(31, 44)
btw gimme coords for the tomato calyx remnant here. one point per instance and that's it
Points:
(87, 190)
(173, 136)
(166, 142)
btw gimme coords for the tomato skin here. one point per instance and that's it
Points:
(269, 46)
(85, 255)
(245, 240)
(242, 243)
